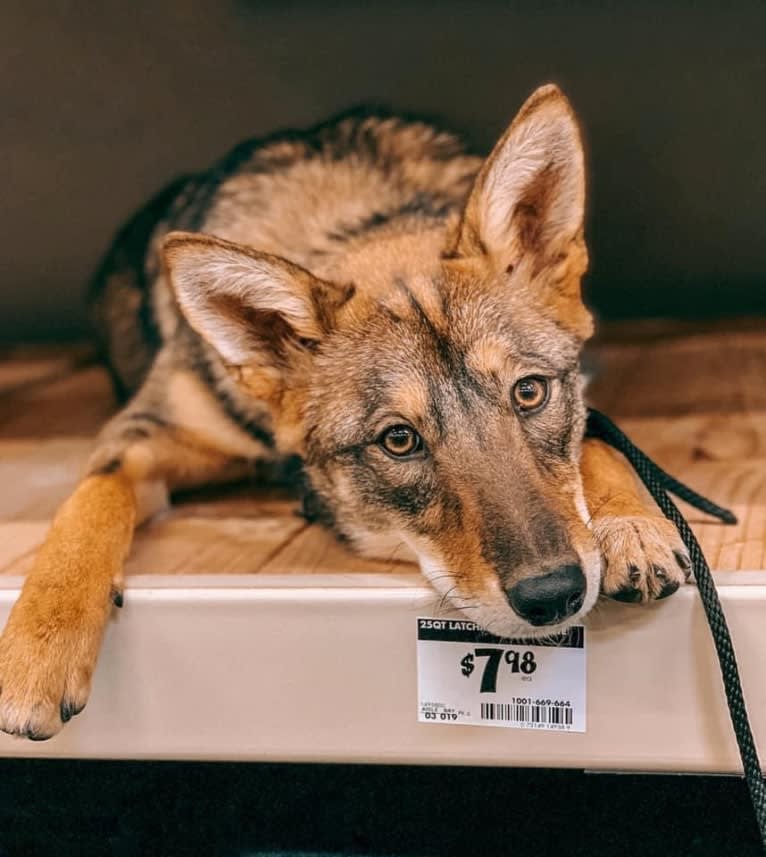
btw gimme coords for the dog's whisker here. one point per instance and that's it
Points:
(445, 599)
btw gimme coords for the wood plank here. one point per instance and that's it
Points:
(317, 551)
(24, 365)
(18, 540)
(635, 331)
(699, 444)
(723, 459)
(718, 373)
(76, 404)
(174, 545)
(39, 474)
(209, 546)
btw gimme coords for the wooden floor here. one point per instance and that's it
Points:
(693, 396)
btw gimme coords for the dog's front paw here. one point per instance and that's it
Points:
(45, 675)
(644, 557)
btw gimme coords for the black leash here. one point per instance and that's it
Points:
(660, 485)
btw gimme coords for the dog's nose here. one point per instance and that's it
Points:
(549, 598)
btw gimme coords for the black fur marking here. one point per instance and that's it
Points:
(136, 433)
(562, 448)
(451, 357)
(139, 432)
(110, 467)
(373, 394)
(408, 500)
(149, 417)
(553, 434)
(315, 510)
(390, 314)
(443, 347)
(445, 305)
(374, 488)
(435, 409)
(127, 254)
(246, 423)
(318, 456)
(422, 205)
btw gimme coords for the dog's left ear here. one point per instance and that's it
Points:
(529, 197)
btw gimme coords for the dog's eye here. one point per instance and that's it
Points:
(530, 394)
(401, 441)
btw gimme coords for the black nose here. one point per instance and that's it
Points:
(549, 598)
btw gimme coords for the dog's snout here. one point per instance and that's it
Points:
(549, 598)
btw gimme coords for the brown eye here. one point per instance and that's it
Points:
(401, 441)
(530, 394)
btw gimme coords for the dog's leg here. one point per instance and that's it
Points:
(644, 557)
(49, 647)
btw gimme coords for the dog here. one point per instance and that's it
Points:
(399, 315)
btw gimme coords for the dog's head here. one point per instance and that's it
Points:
(436, 399)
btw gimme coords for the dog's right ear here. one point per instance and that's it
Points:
(256, 310)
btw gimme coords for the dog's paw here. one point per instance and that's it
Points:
(45, 677)
(644, 557)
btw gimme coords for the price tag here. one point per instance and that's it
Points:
(468, 676)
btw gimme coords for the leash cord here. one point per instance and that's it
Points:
(660, 484)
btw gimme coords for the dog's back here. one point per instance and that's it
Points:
(345, 199)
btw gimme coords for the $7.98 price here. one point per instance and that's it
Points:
(519, 662)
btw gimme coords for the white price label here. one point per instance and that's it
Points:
(468, 676)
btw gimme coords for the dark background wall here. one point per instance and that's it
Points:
(101, 103)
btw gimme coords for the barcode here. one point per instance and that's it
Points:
(554, 715)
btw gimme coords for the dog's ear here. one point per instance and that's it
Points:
(256, 310)
(528, 199)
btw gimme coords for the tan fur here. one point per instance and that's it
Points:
(367, 274)
(644, 556)
(49, 647)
